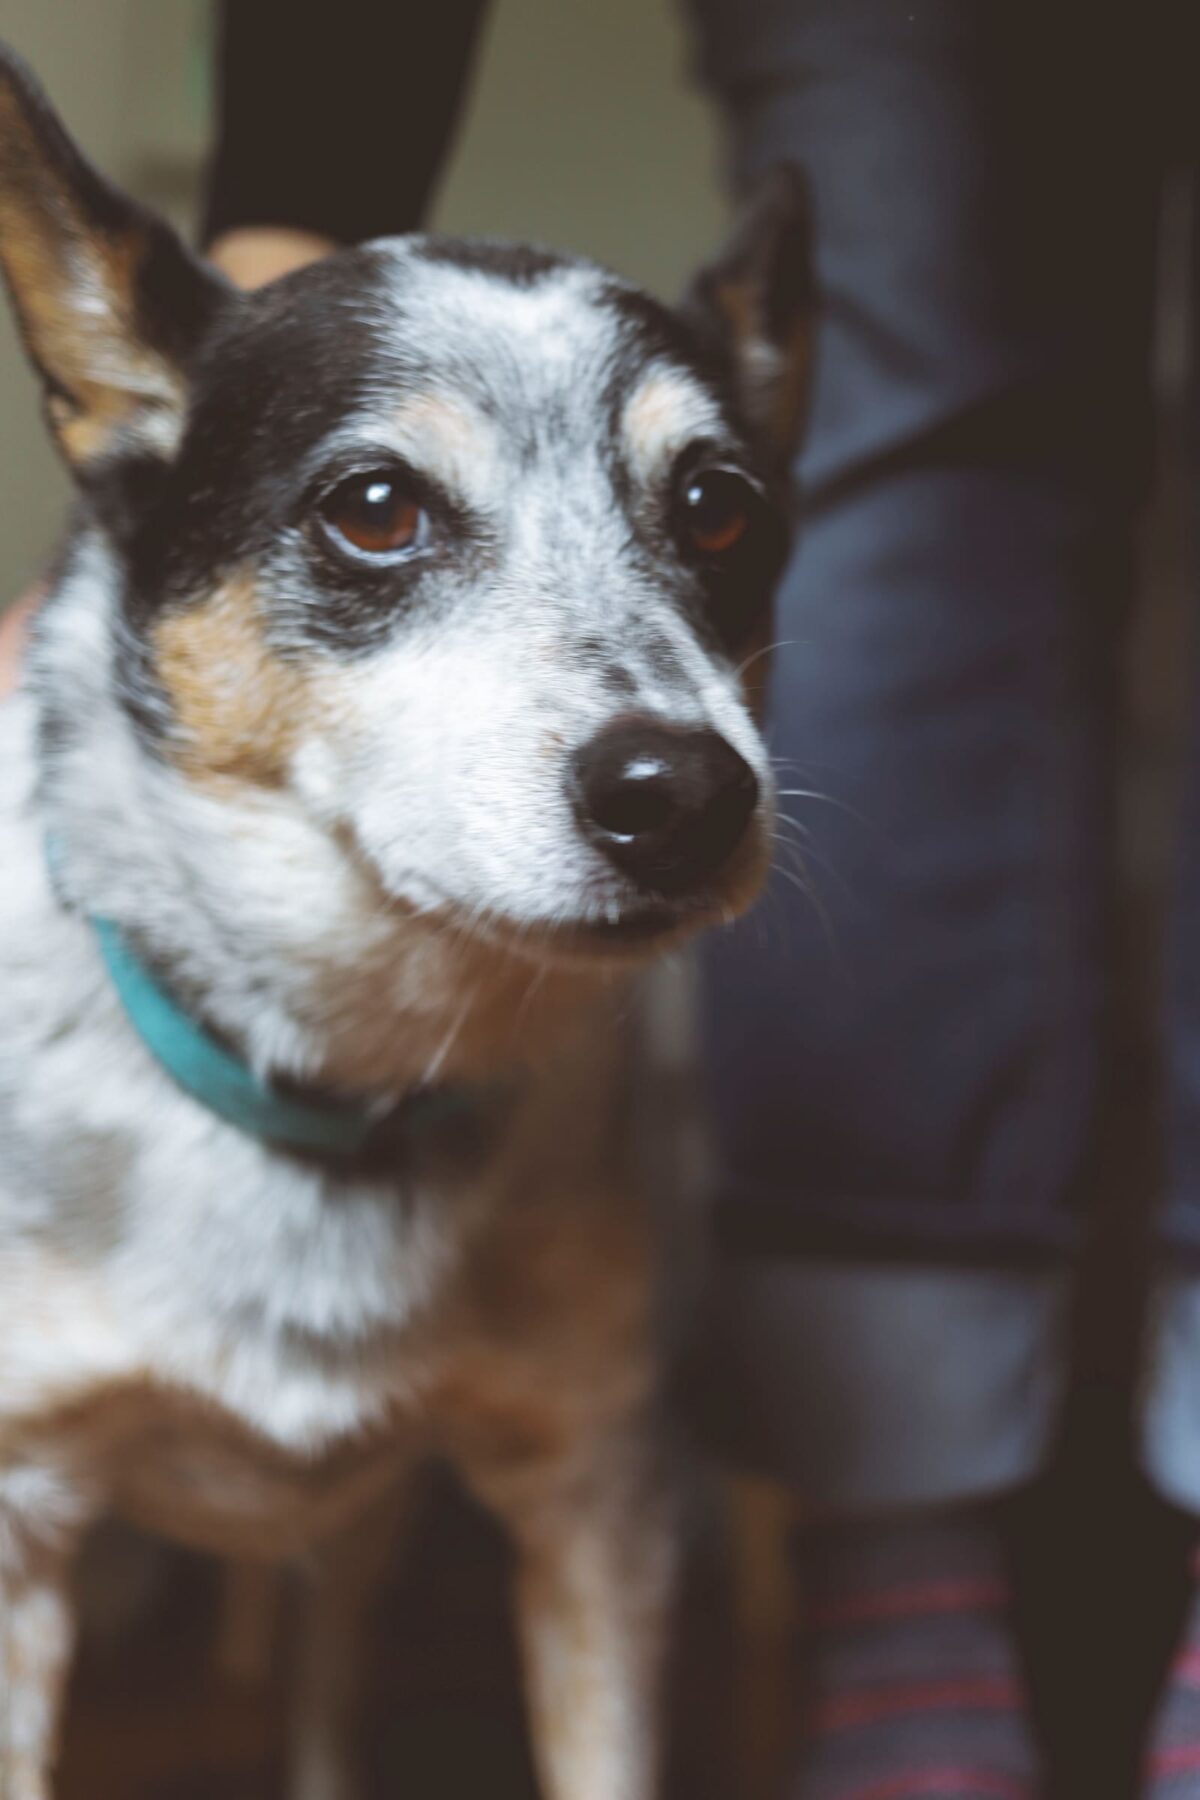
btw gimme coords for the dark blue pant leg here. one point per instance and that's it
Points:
(904, 1077)
(1172, 1414)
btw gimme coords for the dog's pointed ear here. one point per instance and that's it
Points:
(756, 307)
(109, 301)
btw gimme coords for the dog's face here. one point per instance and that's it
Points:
(460, 549)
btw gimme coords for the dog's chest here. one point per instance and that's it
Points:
(231, 1415)
(198, 1476)
(223, 1339)
(292, 1308)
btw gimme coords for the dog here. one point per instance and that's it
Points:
(383, 721)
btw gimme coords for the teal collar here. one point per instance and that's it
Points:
(337, 1127)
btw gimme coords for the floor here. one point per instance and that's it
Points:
(155, 1712)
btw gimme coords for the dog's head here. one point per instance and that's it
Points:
(456, 548)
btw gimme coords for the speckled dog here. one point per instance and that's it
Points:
(383, 718)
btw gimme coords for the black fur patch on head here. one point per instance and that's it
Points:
(650, 330)
(277, 379)
(521, 264)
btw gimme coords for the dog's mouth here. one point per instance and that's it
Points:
(631, 932)
(627, 938)
(633, 929)
(628, 927)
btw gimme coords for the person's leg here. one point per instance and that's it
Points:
(905, 1076)
(1171, 1416)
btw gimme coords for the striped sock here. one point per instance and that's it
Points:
(913, 1679)
(1173, 1762)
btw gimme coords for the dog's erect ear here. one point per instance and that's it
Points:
(108, 299)
(756, 305)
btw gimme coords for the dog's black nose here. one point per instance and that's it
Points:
(668, 806)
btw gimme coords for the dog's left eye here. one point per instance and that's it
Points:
(725, 521)
(726, 525)
(375, 514)
(718, 508)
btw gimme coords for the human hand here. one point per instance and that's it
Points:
(252, 256)
(13, 626)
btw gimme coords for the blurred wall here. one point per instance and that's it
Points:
(582, 132)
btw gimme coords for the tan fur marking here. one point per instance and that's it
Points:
(650, 415)
(451, 438)
(495, 1425)
(738, 301)
(237, 705)
(90, 349)
(74, 292)
(91, 431)
(664, 411)
(452, 427)
(785, 368)
(792, 386)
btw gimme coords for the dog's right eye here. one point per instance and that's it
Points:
(374, 514)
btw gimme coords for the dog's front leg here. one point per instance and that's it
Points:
(36, 1630)
(342, 1581)
(595, 1564)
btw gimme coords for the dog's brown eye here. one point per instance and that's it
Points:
(718, 507)
(736, 539)
(375, 514)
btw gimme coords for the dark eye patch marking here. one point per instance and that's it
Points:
(278, 376)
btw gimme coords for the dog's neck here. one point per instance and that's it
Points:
(276, 935)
